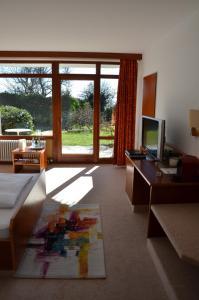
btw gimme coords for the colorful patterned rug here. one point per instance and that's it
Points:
(67, 243)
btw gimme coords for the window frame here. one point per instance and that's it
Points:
(56, 105)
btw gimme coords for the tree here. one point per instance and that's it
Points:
(33, 93)
(34, 85)
(30, 85)
(69, 106)
(82, 116)
(13, 117)
(38, 106)
(107, 95)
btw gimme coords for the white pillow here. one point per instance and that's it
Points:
(11, 186)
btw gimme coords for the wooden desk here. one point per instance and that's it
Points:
(145, 184)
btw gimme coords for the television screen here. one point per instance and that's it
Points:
(153, 133)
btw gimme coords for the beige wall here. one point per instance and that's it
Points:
(176, 60)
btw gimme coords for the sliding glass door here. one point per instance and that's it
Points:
(77, 117)
(87, 111)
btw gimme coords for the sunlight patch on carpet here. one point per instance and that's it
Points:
(92, 170)
(55, 177)
(74, 192)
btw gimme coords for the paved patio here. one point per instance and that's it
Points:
(105, 151)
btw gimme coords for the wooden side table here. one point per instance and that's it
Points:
(29, 157)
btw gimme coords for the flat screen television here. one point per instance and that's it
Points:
(153, 136)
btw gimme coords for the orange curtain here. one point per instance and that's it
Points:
(125, 110)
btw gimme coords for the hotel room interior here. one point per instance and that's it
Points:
(127, 43)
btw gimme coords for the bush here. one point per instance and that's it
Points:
(38, 106)
(13, 117)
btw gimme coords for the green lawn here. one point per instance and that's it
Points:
(77, 138)
(80, 139)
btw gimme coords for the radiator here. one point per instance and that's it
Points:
(6, 147)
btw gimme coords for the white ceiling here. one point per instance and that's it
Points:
(89, 25)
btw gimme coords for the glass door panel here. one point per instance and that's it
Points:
(106, 148)
(77, 116)
(108, 98)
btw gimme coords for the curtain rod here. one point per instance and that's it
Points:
(62, 54)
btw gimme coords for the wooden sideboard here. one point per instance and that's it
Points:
(145, 183)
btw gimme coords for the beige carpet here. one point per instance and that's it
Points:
(130, 270)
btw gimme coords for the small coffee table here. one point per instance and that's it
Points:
(29, 157)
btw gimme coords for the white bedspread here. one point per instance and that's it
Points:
(11, 187)
(7, 213)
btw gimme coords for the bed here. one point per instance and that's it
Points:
(19, 218)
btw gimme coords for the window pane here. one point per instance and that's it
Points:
(108, 98)
(77, 116)
(106, 148)
(110, 69)
(26, 103)
(77, 69)
(25, 68)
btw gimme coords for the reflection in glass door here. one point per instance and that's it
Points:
(77, 117)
